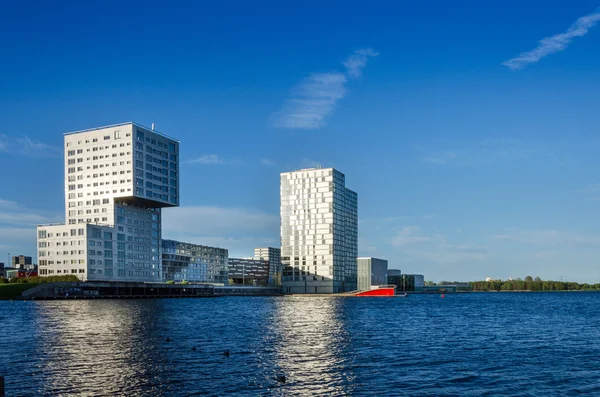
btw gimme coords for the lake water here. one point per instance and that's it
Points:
(464, 344)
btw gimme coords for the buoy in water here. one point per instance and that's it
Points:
(442, 295)
(281, 378)
(194, 348)
(168, 339)
(226, 353)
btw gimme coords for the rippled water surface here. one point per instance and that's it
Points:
(466, 344)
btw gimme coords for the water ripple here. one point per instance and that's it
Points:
(464, 345)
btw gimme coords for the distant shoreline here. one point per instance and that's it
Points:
(529, 290)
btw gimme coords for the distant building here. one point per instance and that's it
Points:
(406, 282)
(273, 255)
(19, 273)
(319, 232)
(248, 271)
(21, 260)
(371, 271)
(194, 263)
(117, 180)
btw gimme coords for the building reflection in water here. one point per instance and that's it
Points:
(312, 345)
(91, 346)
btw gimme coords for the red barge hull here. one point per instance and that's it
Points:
(384, 290)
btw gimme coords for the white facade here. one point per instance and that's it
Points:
(117, 179)
(319, 232)
(273, 255)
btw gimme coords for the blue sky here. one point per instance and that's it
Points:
(468, 129)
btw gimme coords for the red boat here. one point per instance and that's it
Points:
(379, 290)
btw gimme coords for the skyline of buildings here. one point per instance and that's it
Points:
(118, 179)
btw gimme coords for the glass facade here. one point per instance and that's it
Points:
(194, 263)
(248, 271)
(273, 256)
(319, 232)
(371, 271)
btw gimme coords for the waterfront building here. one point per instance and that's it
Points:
(406, 282)
(371, 271)
(117, 180)
(194, 263)
(21, 260)
(20, 273)
(273, 255)
(319, 232)
(248, 271)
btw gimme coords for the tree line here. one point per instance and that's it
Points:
(40, 279)
(531, 284)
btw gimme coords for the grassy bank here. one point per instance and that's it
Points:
(12, 291)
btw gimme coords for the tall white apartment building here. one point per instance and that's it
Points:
(273, 255)
(117, 180)
(319, 232)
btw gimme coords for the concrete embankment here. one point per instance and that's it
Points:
(105, 290)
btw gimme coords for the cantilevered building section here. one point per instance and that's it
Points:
(117, 180)
(319, 232)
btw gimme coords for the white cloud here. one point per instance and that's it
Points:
(553, 44)
(408, 236)
(207, 159)
(356, 62)
(313, 101)
(268, 162)
(316, 97)
(547, 237)
(309, 163)
(18, 227)
(485, 152)
(440, 159)
(26, 146)
(239, 230)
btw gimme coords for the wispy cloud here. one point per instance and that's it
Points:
(26, 146)
(240, 230)
(409, 236)
(207, 159)
(592, 192)
(316, 97)
(267, 162)
(441, 158)
(485, 152)
(553, 44)
(547, 237)
(356, 62)
(17, 227)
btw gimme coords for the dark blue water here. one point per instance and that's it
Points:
(467, 344)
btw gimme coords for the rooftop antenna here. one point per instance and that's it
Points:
(152, 126)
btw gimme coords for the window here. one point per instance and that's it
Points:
(117, 134)
(107, 235)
